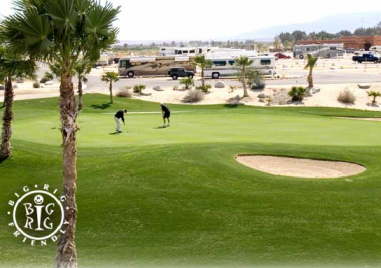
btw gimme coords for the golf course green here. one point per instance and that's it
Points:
(176, 197)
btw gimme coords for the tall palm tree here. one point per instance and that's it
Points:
(243, 62)
(110, 77)
(12, 66)
(311, 63)
(82, 69)
(63, 31)
(203, 63)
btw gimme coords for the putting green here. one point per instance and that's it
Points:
(176, 197)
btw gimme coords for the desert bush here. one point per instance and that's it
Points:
(187, 82)
(346, 96)
(258, 83)
(44, 80)
(204, 89)
(297, 93)
(194, 96)
(124, 93)
(36, 85)
(138, 89)
(175, 88)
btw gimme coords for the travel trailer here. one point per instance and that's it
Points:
(105, 59)
(375, 49)
(319, 50)
(153, 66)
(184, 51)
(223, 67)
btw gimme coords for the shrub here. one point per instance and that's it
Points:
(175, 88)
(139, 89)
(44, 80)
(36, 85)
(204, 89)
(187, 82)
(346, 96)
(194, 96)
(124, 93)
(297, 93)
(258, 83)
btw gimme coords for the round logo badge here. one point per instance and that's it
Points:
(37, 215)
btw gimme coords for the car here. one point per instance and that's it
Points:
(281, 56)
(177, 72)
(366, 58)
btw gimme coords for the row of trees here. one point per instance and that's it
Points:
(289, 39)
(69, 33)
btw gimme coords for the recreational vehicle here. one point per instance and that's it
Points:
(319, 50)
(227, 67)
(152, 66)
(375, 49)
(184, 51)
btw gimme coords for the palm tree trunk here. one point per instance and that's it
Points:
(111, 96)
(245, 93)
(66, 250)
(80, 92)
(6, 151)
(202, 77)
(310, 79)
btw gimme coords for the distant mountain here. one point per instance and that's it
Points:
(331, 24)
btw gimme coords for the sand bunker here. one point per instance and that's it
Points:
(301, 168)
(362, 118)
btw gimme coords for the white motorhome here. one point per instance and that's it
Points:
(223, 67)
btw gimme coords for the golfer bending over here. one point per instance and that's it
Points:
(166, 114)
(119, 115)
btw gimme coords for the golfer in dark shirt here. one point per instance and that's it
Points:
(166, 114)
(119, 115)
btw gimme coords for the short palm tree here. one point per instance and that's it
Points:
(81, 69)
(203, 63)
(374, 95)
(12, 66)
(243, 63)
(311, 63)
(63, 31)
(110, 77)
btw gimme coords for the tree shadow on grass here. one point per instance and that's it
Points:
(102, 106)
(233, 105)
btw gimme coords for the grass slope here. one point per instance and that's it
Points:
(176, 197)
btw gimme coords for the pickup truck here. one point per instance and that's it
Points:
(175, 73)
(366, 58)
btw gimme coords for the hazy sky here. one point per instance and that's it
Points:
(208, 19)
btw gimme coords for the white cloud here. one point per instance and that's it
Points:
(208, 19)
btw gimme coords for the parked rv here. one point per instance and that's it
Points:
(375, 49)
(227, 67)
(152, 66)
(319, 50)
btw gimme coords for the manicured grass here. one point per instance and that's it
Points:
(176, 197)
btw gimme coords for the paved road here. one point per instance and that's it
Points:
(320, 77)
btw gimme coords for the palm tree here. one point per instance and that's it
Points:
(374, 95)
(63, 31)
(110, 77)
(311, 63)
(243, 62)
(12, 66)
(203, 63)
(81, 69)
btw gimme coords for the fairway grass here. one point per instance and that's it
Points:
(176, 197)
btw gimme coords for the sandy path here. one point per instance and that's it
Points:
(301, 168)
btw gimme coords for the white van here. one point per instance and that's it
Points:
(223, 67)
